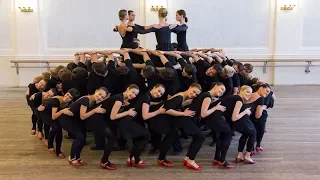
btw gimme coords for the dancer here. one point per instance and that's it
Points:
(259, 114)
(129, 30)
(125, 127)
(211, 111)
(184, 120)
(32, 89)
(50, 111)
(238, 116)
(35, 101)
(182, 35)
(75, 124)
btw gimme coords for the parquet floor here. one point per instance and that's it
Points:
(292, 147)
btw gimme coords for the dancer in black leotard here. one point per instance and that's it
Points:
(50, 111)
(32, 89)
(75, 124)
(211, 111)
(238, 116)
(182, 35)
(129, 31)
(125, 125)
(259, 114)
(35, 101)
(184, 120)
(163, 34)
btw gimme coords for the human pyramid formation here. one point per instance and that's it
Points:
(151, 96)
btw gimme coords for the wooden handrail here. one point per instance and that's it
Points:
(38, 61)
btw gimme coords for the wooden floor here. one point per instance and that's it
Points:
(292, 147)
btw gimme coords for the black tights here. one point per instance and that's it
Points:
(248, 137)
(197, 137)
(155, 140)
(104, 132)
(222, 146)
(34, 121)
(260, 128)
(75, 127)
(166, 144)
(195, 146)
(55, 134)
(41, 124)
(139, 144)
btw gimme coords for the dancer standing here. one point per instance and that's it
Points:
(182, 35)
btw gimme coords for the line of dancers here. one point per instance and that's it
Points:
(151, 96)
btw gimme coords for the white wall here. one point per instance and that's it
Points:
(248, 30)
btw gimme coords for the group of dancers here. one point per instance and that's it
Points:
(151, 96)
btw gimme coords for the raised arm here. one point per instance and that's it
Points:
(192, 55)
(163, 58)
(206, 57)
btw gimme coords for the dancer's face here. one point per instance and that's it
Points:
(157, 92)
(211, 72)
(246, 93)
(235, 67)
(193, 92)
(100, 95)
(41, 85)
(132, 93)
(178, 17)
(219, 90)
(264, 92)
(50, 94)
(132, 16)
(184, 74)
(67, 98)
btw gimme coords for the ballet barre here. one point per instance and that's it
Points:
(46, 62)
(266, 63)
